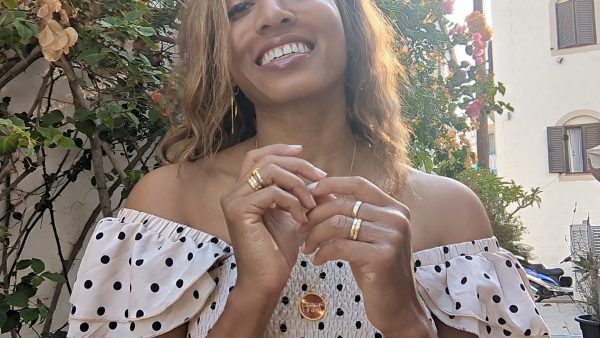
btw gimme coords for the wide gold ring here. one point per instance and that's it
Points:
(355, 208)
(254, 183)
(256, 174)
(356, 224)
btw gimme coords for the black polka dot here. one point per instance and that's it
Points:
(73, 309)
(156, 326)
(378, 335)
(514, 309)
(496, 299)
(129, 261)
(112, 325)
(339, 264)
(190, 256)
(213, 305)
(501, 321)
(145, 221)
(473, 242)
(437, 269)
(486, 276)
(522, 286)
(231, 288)
(321, 326)
(527, 332)
(322, 275)
(357, 298)
(285, 300)
(339, 312)
(227, 249)
(179, 283)
(506, 332)
(121, 236)
(139, 262)
(486, 249)
(451, 316)
(304, 287)
(88, 284)
(196, 294)
(303, 264)
(458, 305)
(340, 287)
(169, 262)
(217, 280)
(447, 264)
(488, 329)
(517, 266)
(139, 313)
(216, 255)
(509, 263)
(358, 324)
(117, 285)
(84, 327)
(182, 239)
(463, 281)
(214, 240)
(126, 313)
(536, 311)
(99, 235)
(200, 245)
(283, 328)
(487, 319)
(132, 326)
(179, 229)
(101, 310)
(446, 249)
(138, 236)
(232, 266)
(154, 287)
(469, 258)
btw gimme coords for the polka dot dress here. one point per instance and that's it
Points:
(142, 276)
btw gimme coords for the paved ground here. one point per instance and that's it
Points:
(559, 315)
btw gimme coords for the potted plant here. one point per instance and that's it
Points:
(587, 267)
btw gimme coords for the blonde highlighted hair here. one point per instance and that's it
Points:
(373, 80)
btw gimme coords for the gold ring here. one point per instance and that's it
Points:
(355, 208)
(356, 224)
(254, 183)
(256, 174)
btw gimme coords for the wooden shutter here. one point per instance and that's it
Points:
(585, 26)
(591, 139)
(557, 159)
(565, 23)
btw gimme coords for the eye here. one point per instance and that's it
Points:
(239, 9)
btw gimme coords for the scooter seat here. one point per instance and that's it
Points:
(551, 272)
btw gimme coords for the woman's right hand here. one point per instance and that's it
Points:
(263, 224)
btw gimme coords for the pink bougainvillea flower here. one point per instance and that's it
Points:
(457, 30)
(478, 60)
(474, 109)
(155, 96)
(447, 7)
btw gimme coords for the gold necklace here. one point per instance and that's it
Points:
(312, 305)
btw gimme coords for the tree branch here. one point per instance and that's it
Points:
(20, 66)
(113, 160)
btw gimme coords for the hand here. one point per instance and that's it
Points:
(263, 224)
(380, 258)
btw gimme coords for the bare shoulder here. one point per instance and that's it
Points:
(444, 211)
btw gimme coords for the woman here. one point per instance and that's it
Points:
(303, 200)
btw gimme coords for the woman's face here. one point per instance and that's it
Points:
(285, 50)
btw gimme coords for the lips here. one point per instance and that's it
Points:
(283, 46)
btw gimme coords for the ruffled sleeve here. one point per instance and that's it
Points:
(478, 287)
(142, 276)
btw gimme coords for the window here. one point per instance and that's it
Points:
(567, 147)
(575, 23)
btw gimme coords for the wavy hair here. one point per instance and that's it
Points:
(373, 80)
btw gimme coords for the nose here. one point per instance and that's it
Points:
(272, 15)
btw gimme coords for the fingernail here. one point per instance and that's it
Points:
(312, 186)
(321, 172)
(313, 203)
(296, 146)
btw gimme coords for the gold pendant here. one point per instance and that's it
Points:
(312, 306)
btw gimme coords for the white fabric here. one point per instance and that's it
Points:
(594, 155)
(207, 280)
(575, 150)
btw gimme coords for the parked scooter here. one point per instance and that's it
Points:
(547, 283)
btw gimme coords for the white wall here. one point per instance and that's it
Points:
(543, 91)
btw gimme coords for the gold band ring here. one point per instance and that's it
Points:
(256, 174)
(356, 224)
(355, 208)
(253, 182)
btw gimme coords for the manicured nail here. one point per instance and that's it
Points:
(312, 186)
(296, 146)
(321, 172)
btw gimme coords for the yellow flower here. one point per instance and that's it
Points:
(55, 41)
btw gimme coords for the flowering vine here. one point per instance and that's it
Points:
(54, 38)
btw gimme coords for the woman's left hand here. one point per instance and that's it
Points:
(380, 258)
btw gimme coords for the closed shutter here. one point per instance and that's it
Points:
(591, 139)
(565, 22)
(585, 22)
(557, 161)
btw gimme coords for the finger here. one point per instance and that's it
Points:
(274, 174)
(255, 155)
(339, 227)
(294, 165)
(265, 198)
(344, 206)
(358, 187)
(355, 252)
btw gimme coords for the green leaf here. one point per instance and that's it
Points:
(93, 59)
(145, 31)
(23, 264)
(8, 144)
(87, 127)
(133, 15)
(3, 318)
(37, 281)
(37, 265)
(52, 117)
(23, 30)
(42, 308)
(10, 4)
(82, 114)
(17, 299)
(66, 143)
(55, 277)
(29, 314)
(12, 321)
(133, 119)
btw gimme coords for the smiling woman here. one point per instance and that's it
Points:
(299, 215)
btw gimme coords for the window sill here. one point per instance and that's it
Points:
(574, 177)
(574, 50)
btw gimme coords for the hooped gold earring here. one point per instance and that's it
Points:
(234, 109)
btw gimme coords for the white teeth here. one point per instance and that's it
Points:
(290, 48)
